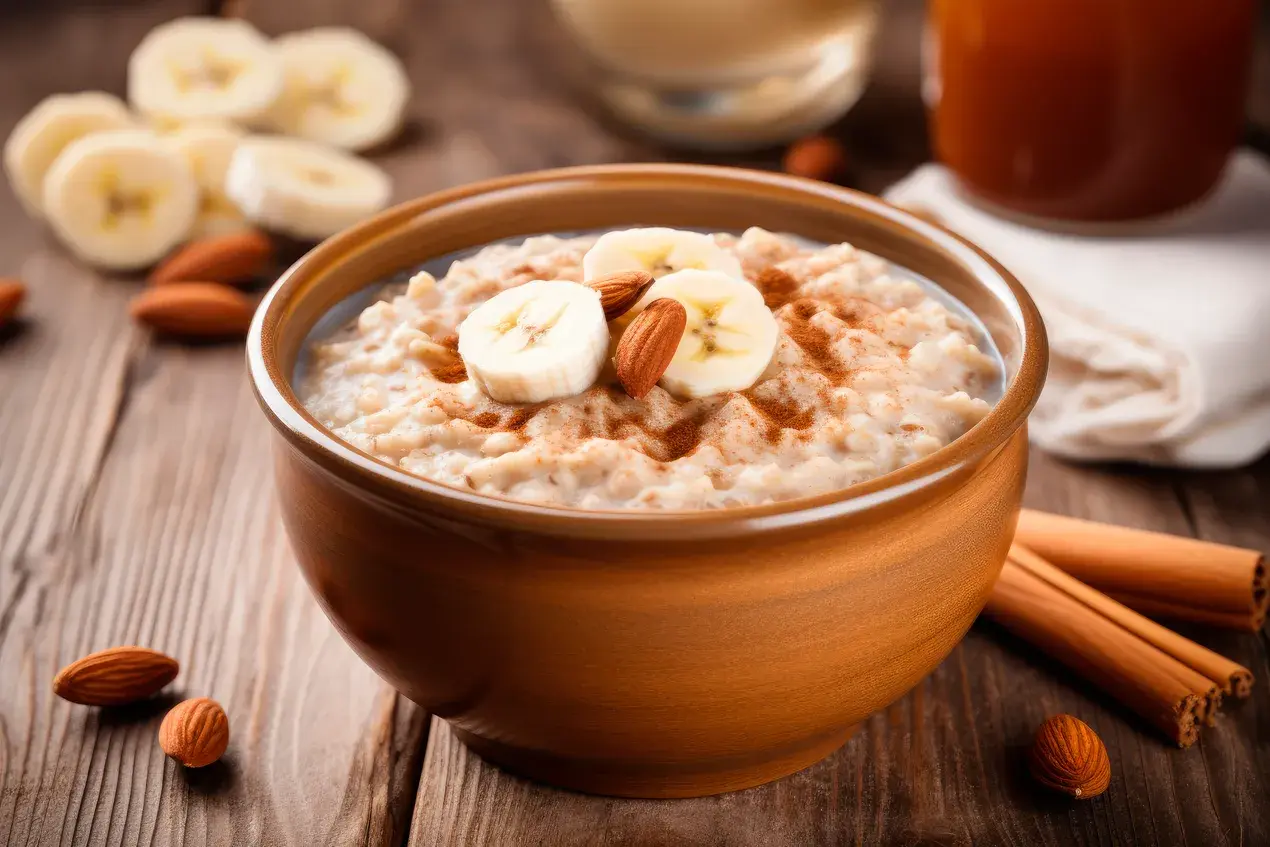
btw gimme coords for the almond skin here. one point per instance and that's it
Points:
(234, 258)
(193, 310)
(195, 732)
(816, 157)
(1068, 756)
(12, 293)
(115, 677)
(619, 291)
(649, 344)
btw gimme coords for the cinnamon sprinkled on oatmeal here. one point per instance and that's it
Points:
(520, 417)
(681, 438)
(776, 286)
(781, 414)
(869, 373)
(450, 373)
(814, 341)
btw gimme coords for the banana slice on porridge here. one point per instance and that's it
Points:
(659, 251)
(535, 342)
(729, 338)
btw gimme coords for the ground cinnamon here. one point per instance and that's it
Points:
(451, 372)
(778, 287)
(1156, 574)
(816, 343)
(780, 415)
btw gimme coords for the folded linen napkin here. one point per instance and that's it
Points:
(1159, 342)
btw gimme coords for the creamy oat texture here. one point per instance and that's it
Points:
(870, 373)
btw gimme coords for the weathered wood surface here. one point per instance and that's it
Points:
(135, 505)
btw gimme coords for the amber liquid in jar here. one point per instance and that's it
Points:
(1088, 110)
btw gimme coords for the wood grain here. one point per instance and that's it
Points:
(135, 506)
(945, 765)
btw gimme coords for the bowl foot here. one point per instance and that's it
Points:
(655, 780)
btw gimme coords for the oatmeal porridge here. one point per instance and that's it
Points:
(864, 371)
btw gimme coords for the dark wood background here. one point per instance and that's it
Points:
(136, 507)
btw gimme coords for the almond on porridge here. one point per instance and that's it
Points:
(824, 369)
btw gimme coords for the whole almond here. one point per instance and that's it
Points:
(195, 732)
(233, 258)
(816, 157)
(649, 344)
(619, 291)
(115, 677)
(193, 310)
(1068, 756)
(12, 293)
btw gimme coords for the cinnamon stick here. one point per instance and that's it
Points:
(1233, 678)
(1152, 683)
(1154, 573)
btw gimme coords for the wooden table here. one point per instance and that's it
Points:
(136, 507)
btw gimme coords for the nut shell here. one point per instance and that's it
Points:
(1068, 756)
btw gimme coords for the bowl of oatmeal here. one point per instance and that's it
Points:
(651, 480)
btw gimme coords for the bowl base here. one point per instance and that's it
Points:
(655, 780)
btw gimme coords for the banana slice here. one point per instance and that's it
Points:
(120, 199)
(535, 342)
(44, 133)
(658, 250)
(304, 189)
(730, 336)
(208, 148)
(339, 88)
(204, 68)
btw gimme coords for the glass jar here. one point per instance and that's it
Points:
(725, 74)
(1088, 110)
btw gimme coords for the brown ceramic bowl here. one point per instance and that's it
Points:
(657, 654)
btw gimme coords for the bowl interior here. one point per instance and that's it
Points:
(694, 197)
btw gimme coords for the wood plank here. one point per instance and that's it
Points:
(147, 516)
(136, 506)
(942, 766)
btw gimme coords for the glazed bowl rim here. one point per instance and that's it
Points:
(289, 417)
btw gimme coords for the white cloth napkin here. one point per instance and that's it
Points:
(1159, 342)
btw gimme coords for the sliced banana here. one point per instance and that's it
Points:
(304, 189)
(120, 199)
(204, 69)
(339, 88)
(729, 338)
(535, 342)
(658, 250)
(46, 130)
(208, 148)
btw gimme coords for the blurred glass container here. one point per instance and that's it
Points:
(725, 74)
(1087, 110)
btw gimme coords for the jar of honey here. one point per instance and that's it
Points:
(1088, 110)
